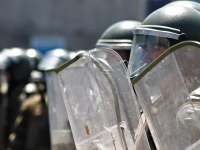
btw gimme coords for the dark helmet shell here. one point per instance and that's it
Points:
(189, 4)
(183, 18)
(118, 36)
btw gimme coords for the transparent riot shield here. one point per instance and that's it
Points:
(168, 92)
(61, 136)
(100, 102)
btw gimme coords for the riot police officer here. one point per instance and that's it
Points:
(163, 27)
(160, 31)
(16, 67)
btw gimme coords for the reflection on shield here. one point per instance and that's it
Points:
(167, 91)
(100, 102)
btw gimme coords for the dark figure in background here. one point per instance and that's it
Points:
(18, 64)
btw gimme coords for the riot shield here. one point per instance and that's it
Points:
(168, 92)
(100, 102)
(61, 136)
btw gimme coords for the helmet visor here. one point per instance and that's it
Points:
(145, 50)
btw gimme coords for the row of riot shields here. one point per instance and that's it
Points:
(102, 108)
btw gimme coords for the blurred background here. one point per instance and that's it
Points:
(74, 25)
(46, 25)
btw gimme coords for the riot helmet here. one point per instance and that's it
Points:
(53, 58)
(15, 61)
(162, 29)
(119, 37)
